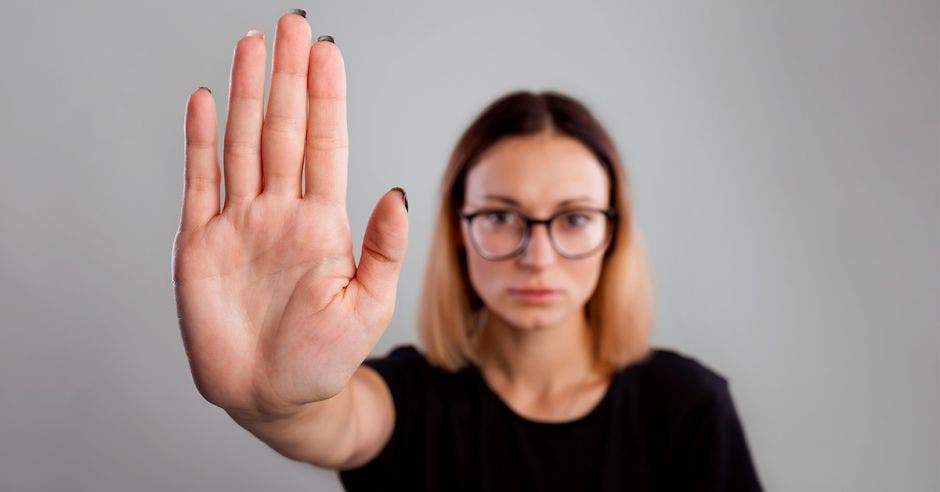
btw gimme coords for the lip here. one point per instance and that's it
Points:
(534, 295)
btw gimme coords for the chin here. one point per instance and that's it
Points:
(531, 317)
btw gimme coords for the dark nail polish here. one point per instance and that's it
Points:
(300, 12)
(404, 196)
(326, 37)
(206, 88)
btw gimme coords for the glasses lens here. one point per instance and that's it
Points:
(579, 232)
(497, 233)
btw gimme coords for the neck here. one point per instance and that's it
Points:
(543, 360)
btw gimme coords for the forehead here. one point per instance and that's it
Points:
(538, 171)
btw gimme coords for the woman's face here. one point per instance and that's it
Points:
(534, 174)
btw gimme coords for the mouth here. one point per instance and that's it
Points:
(534, 296)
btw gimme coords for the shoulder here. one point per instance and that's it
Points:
(404, 360)
(406, 352)
(676, 376)
(405, 367)
(672, 366)
(402, 354)
(689, 403)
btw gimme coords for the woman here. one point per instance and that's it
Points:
(537, 372)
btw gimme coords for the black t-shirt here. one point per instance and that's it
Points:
(665, 423)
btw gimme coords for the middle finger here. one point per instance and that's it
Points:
(285, 122)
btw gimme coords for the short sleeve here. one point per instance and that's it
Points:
(402, 370)
(712, 451)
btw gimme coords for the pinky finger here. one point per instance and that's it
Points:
(201, 175)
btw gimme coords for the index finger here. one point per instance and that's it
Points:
(327, 147)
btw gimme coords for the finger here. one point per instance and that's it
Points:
(242, 149)
(285, 123)
(383, 251)
(201, 174)
(327, 148)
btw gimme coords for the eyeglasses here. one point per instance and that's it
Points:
(500, 234)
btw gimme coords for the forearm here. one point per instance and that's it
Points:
(321, 433)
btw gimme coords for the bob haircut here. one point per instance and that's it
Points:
(619, 312)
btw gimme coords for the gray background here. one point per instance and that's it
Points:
(784, 165)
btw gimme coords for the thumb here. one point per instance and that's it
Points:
(383, 251)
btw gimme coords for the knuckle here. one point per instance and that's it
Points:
(236, 148)
(199, 144)
(284, 127)
(289, 73)
(327, 142)
(376, 253)
(283, 123)
(201, 183)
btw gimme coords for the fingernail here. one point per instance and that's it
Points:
(255, 33)
(326, 37)
(404, 196)
(206, 88)
(300, 12)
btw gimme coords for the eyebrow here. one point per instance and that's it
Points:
(513, 201)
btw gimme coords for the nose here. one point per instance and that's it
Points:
(539, 251)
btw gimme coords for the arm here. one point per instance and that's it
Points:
(339, 433)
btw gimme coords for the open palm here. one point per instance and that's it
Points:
(273, 310)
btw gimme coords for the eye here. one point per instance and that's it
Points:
(499, 217)
(576, 219)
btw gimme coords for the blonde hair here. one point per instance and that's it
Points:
(619, 311)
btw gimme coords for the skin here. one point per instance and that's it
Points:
(274, 311)
(537, 356)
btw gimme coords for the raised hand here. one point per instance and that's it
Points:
(273, 310)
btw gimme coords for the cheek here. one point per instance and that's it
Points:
(584, 277)
(484, 276)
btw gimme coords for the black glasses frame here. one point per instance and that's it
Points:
(610, 213)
